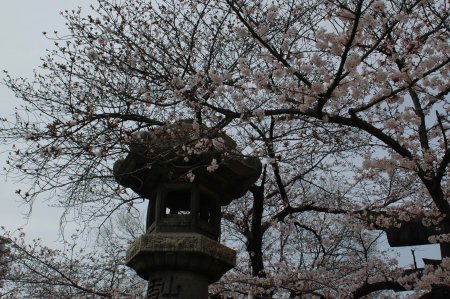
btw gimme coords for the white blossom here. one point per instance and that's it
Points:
(213, 166)
(190, 176)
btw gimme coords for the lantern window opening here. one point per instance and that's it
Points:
(177, 202)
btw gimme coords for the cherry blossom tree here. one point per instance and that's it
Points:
(79, 269)
(37, 271)
(3, 253)
(345, 103)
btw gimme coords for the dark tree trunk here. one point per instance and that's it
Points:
(254, 246)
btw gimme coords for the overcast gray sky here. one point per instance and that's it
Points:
(21, 45)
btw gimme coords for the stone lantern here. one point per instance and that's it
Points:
(187, 172)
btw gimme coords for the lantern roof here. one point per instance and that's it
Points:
(186, 152)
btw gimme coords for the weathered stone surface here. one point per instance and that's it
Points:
(188, 252)
(177, 284)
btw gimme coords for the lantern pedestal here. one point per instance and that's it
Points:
(179, 265)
